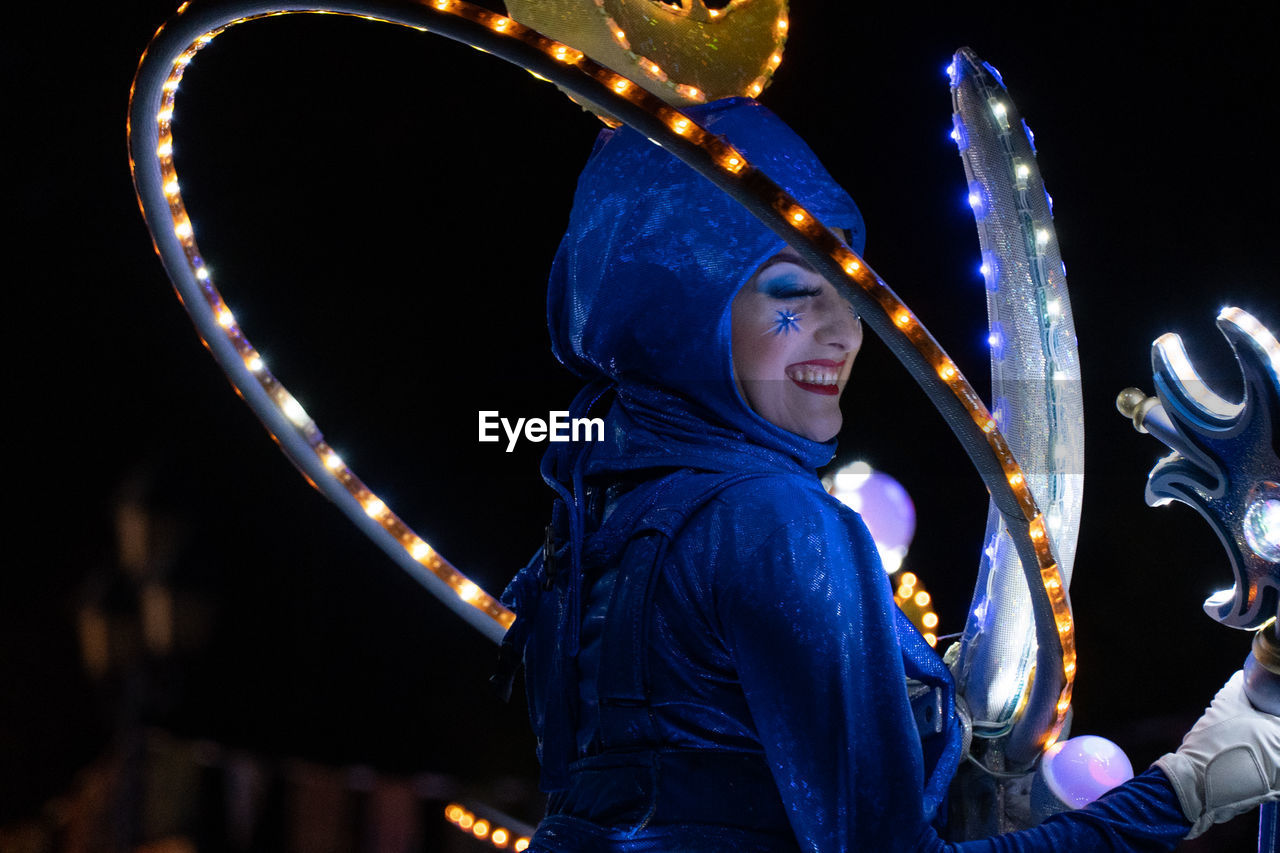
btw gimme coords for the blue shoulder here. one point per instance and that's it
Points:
(747, 515)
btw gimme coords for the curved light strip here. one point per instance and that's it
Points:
(155, 179)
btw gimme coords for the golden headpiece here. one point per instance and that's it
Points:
(683, 51)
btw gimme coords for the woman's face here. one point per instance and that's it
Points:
(794, 341)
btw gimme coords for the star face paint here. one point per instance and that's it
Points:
(789, 372)
(786, 321)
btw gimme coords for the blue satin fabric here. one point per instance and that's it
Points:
(713, 657)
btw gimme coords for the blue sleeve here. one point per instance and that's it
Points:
(809, 619)
(1142, 816)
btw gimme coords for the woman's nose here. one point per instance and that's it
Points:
(839, 325)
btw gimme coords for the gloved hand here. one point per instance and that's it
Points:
(1228, 763)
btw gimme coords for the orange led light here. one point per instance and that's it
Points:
(652, 69)
(690, 92)
(566, 54)
(622, 40)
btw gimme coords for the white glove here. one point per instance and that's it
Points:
(1228, 763)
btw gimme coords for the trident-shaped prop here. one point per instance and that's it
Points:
(1225, 465)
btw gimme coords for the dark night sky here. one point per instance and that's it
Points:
(380, 207)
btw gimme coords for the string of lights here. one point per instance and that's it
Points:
(152, 159)
(491, 828)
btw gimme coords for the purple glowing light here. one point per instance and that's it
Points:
(884, 505)
(1081, 769)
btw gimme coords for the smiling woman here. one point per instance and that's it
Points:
(794, 342)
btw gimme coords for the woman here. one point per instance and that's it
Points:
(713, 657)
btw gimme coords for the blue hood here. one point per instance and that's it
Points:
(641, 287)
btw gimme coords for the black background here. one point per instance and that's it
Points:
(380, 207)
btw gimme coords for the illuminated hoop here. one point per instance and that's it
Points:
(155, 179)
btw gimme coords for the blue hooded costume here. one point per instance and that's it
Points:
(713, 657)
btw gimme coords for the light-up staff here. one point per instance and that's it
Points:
(1225, 465)
(152, 159)
(1036, 397)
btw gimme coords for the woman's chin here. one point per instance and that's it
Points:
(821, 429)
(817, 418)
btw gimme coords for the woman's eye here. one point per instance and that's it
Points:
(792, 291)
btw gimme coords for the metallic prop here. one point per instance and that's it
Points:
(1036, 397)
(1225, 465)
